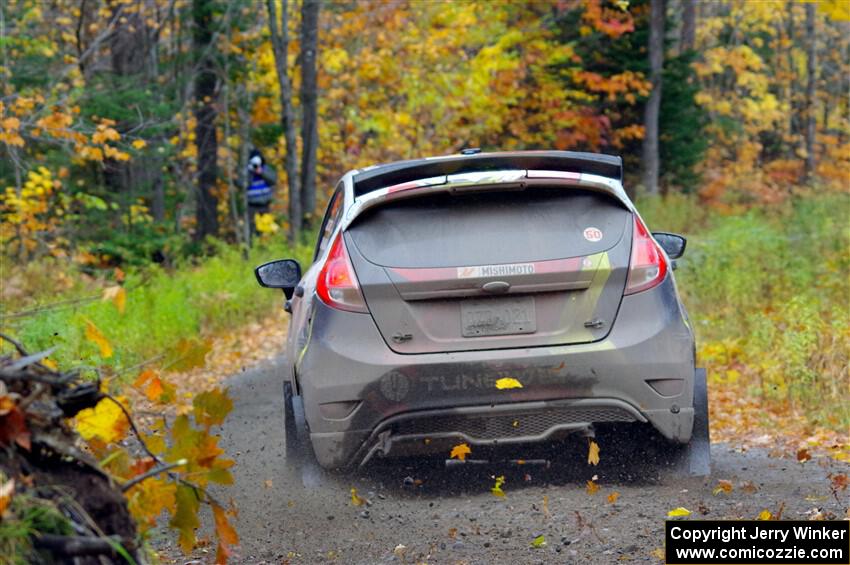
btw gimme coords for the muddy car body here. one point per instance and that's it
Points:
(483, 298)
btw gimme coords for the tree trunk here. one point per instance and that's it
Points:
(242, 112)
(687, 38)
(280, 46)
(653, 105)
(158, 198)
(793, 125)
(811, 70)
(206, 137)
(309, 103)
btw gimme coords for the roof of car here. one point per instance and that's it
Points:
(379, 176)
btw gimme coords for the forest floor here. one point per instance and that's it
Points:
(425, 513)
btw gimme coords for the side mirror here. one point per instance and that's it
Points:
(673, 244)
(283, 273)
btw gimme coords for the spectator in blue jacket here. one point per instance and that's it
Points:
(261, 179)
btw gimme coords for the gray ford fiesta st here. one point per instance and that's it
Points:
(487, 299)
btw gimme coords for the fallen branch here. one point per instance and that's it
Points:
(29, 360)
(75, 546)
(15, 343)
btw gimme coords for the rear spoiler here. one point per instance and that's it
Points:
(381, 176)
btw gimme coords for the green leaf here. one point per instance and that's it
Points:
(190, 353)
(185, 519)
(220, 476)
(539, 541)
(211, 407)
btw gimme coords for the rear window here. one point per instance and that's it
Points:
(489, 228)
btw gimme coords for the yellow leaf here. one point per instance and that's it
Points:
(658, 553)
(10, 124)
(497, 488)
(106, 421)
(7, 490)
(508, 382)
(49, 363)
(356, 499)
(612, 498)
(539, 541)
(765, 515)
(146, 500)
(117, 295)
(7, 403)
(460, 452)
(680, 511)
(593, 453)
(139, 144)
(723, 486)
(837, 10)
(265, 223)
(592, 487)
(93, 335)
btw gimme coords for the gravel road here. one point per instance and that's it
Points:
(428, 513)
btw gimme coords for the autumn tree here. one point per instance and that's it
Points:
(753, 84)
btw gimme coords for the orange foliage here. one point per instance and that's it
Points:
(611, 22)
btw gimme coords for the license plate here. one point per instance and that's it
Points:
(498, 316)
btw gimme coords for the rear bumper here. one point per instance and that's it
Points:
(362, 399)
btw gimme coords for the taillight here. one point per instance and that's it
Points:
(337, 284)
(648, 265)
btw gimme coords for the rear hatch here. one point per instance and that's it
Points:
(473, 271)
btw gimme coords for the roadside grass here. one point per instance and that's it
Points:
(26, 516)
(163, 307)
(768, 292)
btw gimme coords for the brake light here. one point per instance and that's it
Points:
(337, 284)
(648, 265)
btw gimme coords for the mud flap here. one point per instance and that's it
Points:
(299, 450)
